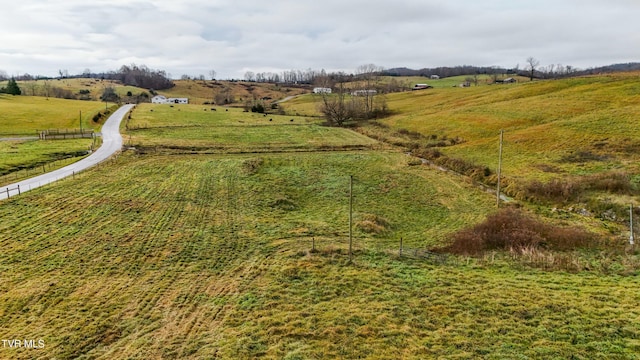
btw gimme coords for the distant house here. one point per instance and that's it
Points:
(322, 90)
(160, 99)
(363, 92)
(509, 80)
(421, 86)
(435, 77)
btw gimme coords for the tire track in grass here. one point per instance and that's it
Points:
(202, 245)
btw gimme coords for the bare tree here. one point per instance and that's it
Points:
(46, 89)
(335, 106)
(31, 86)
(249, 76)
(369, 75)
(532, 65)
(212, 74)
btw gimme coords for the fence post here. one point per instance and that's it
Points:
(313, 244)
(7, 193)
(400, 247)
(18, 189)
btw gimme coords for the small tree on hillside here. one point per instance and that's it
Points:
(532, 65)
(109, 95)
(13, 88)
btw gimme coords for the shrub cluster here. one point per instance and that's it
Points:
(476, 172)
(511, 230)
(565, 190)
(373, 224)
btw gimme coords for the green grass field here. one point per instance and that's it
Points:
(25, 115)
(233, 130)
(197, 241)
(209, 257)
(21, 155)
(594, 114)
(566, 132)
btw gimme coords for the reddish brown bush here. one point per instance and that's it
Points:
(556, 190)
(510, 229)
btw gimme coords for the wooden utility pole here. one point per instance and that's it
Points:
(81, 123)
(631, 239)
(350, 217)
(499, 169)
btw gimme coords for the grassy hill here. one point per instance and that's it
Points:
(24, 116)
(238, 92)
(571, 143)
(198, 241)
(79, 88)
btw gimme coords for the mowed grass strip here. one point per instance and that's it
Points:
(208, 256)
(234, 130)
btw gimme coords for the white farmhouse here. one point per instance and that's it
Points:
(160, 99)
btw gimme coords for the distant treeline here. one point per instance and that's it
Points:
(133, 75)
(140, 76)
(544, 72)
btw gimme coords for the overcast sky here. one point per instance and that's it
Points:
(192, 37)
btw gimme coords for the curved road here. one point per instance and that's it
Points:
(111, 143)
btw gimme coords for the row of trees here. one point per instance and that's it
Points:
(531, 69)
(134, 75)
(140, 76)
(308, 76)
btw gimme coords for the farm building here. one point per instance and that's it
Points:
(435, 77)
(421, 86)
(160, 99)
(363, 92)
(507, 81)
(322, 90)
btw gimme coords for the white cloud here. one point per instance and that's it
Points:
(195, 36)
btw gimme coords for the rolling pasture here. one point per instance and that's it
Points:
(209, 256)
(206, 91)
(25, 115)
(199, 128)
(197, 242)
(88, 89)
(544, 122)
(569, 143)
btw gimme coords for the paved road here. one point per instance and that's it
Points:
(111, 143)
